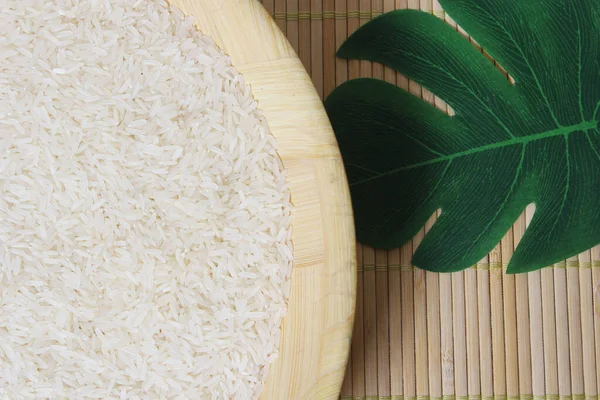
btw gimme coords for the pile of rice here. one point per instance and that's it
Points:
(144, 215)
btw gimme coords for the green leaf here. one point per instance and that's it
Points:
(507, 146)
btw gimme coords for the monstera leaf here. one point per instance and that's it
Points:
(507, 146)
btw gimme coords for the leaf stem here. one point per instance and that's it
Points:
(522, 140)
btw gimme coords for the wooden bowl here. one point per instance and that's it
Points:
(317, 329)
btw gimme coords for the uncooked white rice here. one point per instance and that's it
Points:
(144, 214)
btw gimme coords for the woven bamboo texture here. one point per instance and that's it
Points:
(475, 335)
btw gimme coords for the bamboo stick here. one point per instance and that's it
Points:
(341, 34)
(437, 9)
(575, 334)
(460, 334)
(537, 340)
(304, 28)
(587, 325)
(472, 322)
(358, 337)
(523, 325)
(280, 13)
(596, 295)
(408, 326)
(434, 345)
(316, 45)
(395, 302)
(562, 329)
(485, 328)
(420, 322)
(366, 67)
(510, 319)
(370, 321)
(401, 4)
(447, 335)
(353, 24)
(292, 28)
(536, 321)
(383, 339)
(549, 331)
(497, 323)
(329, 49)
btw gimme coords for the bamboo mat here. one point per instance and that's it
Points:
(475, 335)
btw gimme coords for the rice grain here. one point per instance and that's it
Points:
(144, 212)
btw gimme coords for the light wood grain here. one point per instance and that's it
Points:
(316, 332)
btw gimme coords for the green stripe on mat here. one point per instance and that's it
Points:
(488, 267)
(295, 16)
(384, 268)
(577, 264)
(339, 15)
(477, 397)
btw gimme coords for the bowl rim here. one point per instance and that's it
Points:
(317, 330)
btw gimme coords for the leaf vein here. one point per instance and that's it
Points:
(501, 208)
(579, 62)
(424, 202)
(592, 145)
(437, 153)
(564, 131)
(567, 186)
(531, 69)
(467, 88)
